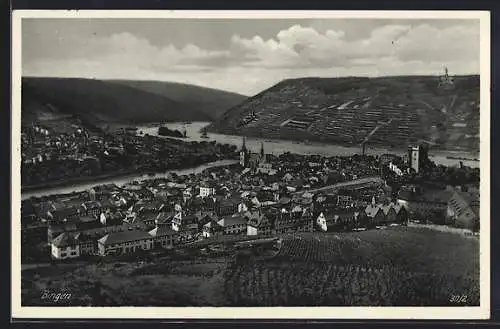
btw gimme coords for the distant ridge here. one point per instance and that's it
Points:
(390, 111)
(107, 102)
(212, 102)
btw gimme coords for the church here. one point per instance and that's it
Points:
(251, 160)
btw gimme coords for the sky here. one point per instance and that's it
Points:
(246, 55)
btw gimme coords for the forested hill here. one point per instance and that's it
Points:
(105, 101)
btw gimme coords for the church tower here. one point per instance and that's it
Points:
(243, 154)
(262, 150)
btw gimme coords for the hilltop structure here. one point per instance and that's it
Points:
(446, 81)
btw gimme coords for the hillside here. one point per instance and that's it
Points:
(391, 267)
(384, 111)
(102, 102)
(212, 102)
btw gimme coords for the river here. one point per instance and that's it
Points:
(121, 180)
(271, 146)
(276, 147)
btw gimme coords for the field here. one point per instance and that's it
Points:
(400, 266)
(396, 266)
(408, 248)
(173, 283)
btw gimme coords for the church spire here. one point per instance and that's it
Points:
(243, 146)
(243, 154)
(262, 149)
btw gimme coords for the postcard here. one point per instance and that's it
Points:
(250, 164)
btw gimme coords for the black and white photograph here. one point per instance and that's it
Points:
(189, 164)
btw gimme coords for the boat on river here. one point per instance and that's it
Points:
(461, 158)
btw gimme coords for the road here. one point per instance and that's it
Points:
(380, 125)
(371, 179)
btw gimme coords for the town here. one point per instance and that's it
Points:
(262, 196)
(199, 164)
(61, 150)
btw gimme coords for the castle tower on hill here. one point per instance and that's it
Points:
(446, 81)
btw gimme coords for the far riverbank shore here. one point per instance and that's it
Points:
(119, 178)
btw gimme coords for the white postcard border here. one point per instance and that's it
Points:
(436, 313)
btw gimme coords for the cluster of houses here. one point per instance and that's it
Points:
(168, 229)
(108, 227)
(374, 215)
(455, 206)
(109, 219)
(40, 143)
(227, 201)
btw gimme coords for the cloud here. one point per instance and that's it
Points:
(305, 47)
(251, 64)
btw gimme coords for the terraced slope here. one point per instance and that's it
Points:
(385, 111)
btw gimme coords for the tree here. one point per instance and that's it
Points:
(476, 225)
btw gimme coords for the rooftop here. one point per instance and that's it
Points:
(233, 220)
(162, 231)
(65, 239)
(435, 196)
(125, 236)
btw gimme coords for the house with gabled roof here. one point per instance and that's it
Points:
(63, 214)
(375, 215)
(236, 224)
(463, 209)
(164, 237)
(424, 203)
(401, 214)
(207, 189)
(91, 208)
(338, 220)
(259, 225)
(65, 245)
(212, 229)
(389, 213)
(54, 230)
(227, 206)
(124, 242)
(204, 217)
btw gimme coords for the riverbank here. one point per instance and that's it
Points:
(279, 146)
(81, 179)
(86, 183)
(309, 139)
